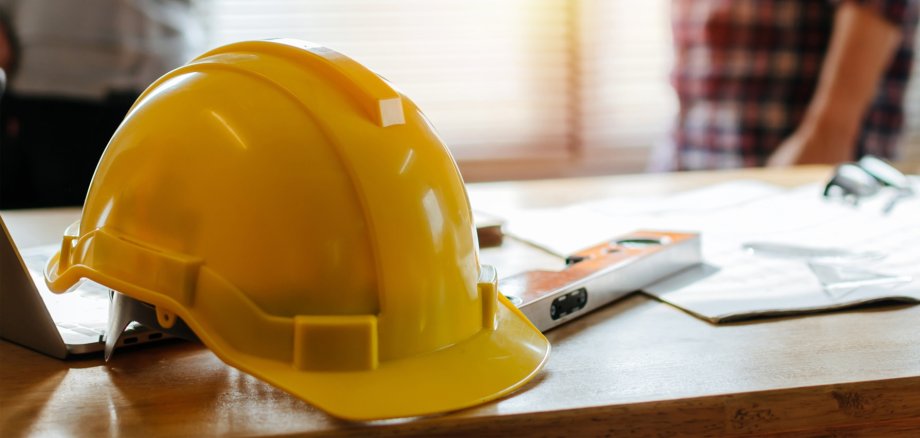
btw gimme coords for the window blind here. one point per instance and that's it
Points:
(625, 101)
(491, 76)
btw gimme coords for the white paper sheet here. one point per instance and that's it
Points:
(735, 283)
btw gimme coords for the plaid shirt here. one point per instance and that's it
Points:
(745, 71)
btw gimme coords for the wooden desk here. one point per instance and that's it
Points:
(636, 367)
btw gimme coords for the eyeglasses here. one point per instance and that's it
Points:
(865, 178)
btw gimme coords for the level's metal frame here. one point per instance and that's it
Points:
(607, 272)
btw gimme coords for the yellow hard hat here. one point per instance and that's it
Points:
(305, 221)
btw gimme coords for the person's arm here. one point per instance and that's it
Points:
(861, 46)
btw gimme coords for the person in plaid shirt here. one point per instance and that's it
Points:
(784, 82)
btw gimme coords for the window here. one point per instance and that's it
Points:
(517, 88)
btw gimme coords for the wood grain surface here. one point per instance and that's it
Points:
(636, 367)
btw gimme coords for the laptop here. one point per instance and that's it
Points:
(57, 325)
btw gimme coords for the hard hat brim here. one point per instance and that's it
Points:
(487, 366)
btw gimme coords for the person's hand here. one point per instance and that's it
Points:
(815, 143)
